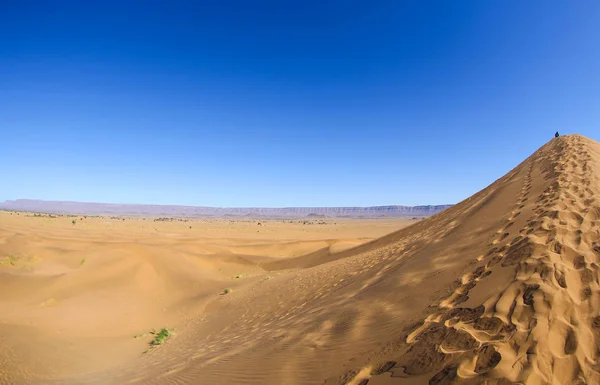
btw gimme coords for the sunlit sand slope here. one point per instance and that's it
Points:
(79, 295)
(527, 310)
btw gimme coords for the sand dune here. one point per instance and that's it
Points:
(501, 288)
(73, 296)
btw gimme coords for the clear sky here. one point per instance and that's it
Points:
(287, 103)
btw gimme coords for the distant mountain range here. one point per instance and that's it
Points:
(84, 208)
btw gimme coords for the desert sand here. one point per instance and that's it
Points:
(501, 288)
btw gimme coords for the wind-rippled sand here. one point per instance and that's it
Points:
(73, 296)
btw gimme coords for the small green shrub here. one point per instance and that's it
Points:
(160, 337)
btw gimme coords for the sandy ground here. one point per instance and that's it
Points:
(74, 290)
(501, 288)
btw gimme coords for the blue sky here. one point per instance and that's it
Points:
(287, 103)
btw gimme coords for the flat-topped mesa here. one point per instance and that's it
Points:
(140, 210)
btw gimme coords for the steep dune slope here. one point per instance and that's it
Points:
(502, 287)
(528, 311)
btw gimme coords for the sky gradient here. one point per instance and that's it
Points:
(287, 103)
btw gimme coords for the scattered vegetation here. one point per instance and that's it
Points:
(160, 337)
(73, 222)
(23, 262)
(320, 222)
(226, 291)
(82, 261)
(9, 261)
(39, 215)
(170, 220)
(49, 302)
(238, 276)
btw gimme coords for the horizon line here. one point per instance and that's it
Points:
(218, 207)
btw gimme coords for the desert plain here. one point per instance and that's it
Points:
(501, 288)
(81, 294)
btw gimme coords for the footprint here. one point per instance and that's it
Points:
(492, 325)
(487, 359)
(579, 262)
(464, 315)
(424, 355)
(495, 259)
(458, 341)
(560, 278)
(570, 342)
(518, 252)
(586, 293)
(586, 276)
(516, 240)
(478, 272)
(460, 298)
(555, 247)
(385, 367)
(445, 376)
(528, 295)
(424, 361)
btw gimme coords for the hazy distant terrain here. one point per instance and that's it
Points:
(57, 207)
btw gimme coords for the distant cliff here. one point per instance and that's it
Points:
(83, 208)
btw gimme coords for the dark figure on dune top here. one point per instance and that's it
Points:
(556, 135)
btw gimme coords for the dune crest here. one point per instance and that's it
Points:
(542, 325)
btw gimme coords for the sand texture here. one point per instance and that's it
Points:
(502, 288)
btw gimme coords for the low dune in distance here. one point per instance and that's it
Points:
(502, 288)
(75, 290)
